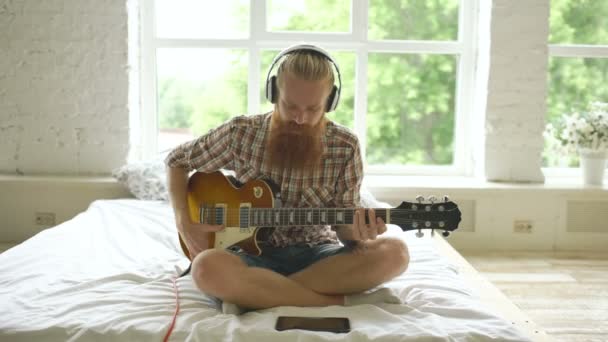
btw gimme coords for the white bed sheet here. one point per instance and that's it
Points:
(106, 275)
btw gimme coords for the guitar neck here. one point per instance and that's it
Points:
(415, 217)
(287, 217)
(310, 216)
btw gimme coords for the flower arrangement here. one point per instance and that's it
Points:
(585, 130)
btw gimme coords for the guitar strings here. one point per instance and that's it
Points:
(393, 220)
(302, 211)
(312, 215)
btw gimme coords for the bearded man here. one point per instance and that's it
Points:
(316, 163)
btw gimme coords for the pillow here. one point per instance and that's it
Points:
(369, 201)
(145, 180)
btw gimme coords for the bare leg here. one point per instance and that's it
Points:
(380, 261)
(227, 277)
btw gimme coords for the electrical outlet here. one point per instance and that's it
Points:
(44, 219)
(522, 226)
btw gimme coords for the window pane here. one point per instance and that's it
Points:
(573, 84)
(413, 19)
(202, 19)
(410, 117)
(198, 89)
(579, 22)
(309, 15)
(267, 57)
(344, 114)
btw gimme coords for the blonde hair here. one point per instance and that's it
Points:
(306, 65)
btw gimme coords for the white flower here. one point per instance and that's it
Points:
(584, 127)
(581, 129)
(566, 133)
(599, 106)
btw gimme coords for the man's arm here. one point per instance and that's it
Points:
(177, 183)
(193, 234)
(208, 153)
(349, 186)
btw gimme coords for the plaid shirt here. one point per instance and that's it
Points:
(238, 145)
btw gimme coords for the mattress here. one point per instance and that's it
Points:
(107, 274)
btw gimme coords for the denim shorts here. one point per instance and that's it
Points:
(291, 259)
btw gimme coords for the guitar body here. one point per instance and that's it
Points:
(216, 190)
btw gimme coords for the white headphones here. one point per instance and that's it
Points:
(271, 82)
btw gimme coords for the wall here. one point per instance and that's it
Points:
(63, 86)
(513, 56)
(22, 197)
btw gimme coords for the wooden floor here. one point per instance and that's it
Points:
(566, 294)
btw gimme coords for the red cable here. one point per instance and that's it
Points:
(176, 311)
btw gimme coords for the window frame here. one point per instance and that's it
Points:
(356, 41)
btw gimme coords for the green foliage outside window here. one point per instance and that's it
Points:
(574, 83)
(410, 112)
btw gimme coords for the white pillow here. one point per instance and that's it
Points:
(145, 180)
(369, 201)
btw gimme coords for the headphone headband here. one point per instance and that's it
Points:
(334, 96)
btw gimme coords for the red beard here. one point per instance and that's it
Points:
(293, 146)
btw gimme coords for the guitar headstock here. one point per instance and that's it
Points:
(429, 214)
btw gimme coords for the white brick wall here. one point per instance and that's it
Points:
(515, 105)
(63, 86)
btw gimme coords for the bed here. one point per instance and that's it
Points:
(107, 274)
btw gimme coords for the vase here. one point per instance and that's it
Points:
(593, 165)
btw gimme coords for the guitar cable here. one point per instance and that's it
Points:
(175, 290)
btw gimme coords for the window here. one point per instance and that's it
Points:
(578, 66)
(405, 78)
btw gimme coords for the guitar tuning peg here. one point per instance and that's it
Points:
(419, 234)
(419, 198)
(445, 233)
(432, 199)
(446, 198)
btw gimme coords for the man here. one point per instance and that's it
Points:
(316, 163)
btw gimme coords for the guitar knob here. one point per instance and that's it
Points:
(432, 199)
(445, 233)
(446, 198)
(419, 198)
(419, 234)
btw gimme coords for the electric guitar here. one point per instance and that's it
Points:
(251, 211)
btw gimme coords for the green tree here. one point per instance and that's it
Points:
(175, 103)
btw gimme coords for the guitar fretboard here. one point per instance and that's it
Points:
(304, 216)
(287, 217)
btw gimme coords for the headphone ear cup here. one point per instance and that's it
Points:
(271, 89)
(332, 100)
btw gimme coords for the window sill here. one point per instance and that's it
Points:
(396, 183)
(72, 179)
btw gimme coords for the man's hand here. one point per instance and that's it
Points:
(359, 230)
(194, 234)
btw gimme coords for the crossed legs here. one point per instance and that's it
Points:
(326, 282)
